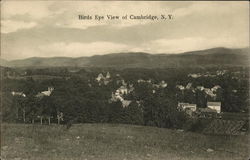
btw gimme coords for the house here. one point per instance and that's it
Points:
(181, 87)
(211, 111)
(163, 84)
(219, 72)
(144, 81)
(45, 93)
(201, 88)
(187, 106)
(210, 92)
(140, 81)
(116, 97)
(214, 89)
(108, 75)
(214, 106)
(100, 77)
(18, 94)
(48, 92)
(194, 75)
(122, 90)
(125, 103)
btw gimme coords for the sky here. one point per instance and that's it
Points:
(53, 29)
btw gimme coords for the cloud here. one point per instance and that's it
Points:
(9, 26)
(65, 14)
(77, 49)
(211, 8)
(68, 17)
(43, 28)
(190, 44)
(24, 14)
(34, 10)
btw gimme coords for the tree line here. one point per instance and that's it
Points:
(79, 98)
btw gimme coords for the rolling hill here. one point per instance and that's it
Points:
(208, 57)
(116, 142)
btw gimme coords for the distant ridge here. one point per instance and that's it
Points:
(214, 56)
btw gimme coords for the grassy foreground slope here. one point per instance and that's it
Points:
(115, 142)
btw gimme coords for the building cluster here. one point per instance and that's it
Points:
(40, 94)
(212, 92)
(211, 107)
(121, 92)
(103, 79)
(161, 84)
(155, 86)
(207, 74)
(188, 86)
(144, 81)
(190, 109)
(14, 93)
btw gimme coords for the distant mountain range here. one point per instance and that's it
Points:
(208, 57)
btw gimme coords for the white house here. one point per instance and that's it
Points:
(181, 87)
(144, 81)
(45, 93)
(48, 92)
(163, 84)
(201, 88)
(122, 90)
(100, 77)
(215, 106)
(125, 103)
(18, 94)
(220, 72)
(210, 92)
(108, 75)
(194, 75)
(184, 106)
(214, 89)
(116, 97)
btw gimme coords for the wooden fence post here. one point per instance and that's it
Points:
(41, 120)
(49, 120)
(24, 120)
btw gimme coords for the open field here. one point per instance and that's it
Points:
(116, 142)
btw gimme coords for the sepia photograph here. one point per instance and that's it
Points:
(124, 80)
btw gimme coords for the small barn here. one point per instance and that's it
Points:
(214, 106)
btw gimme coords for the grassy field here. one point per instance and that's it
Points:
(116, 142)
